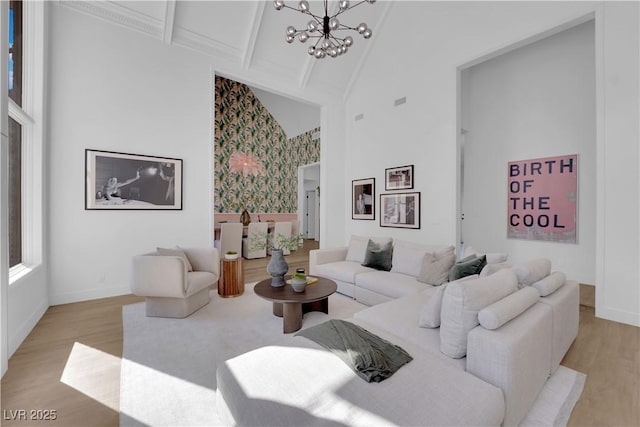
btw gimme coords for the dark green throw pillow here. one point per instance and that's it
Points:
(377, 256)
(467, 267)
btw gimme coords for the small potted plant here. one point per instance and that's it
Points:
(298, 282)
(231, 255)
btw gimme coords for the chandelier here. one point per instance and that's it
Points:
(247, 164)
(324, 28)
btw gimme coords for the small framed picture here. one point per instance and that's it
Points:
(399, 178)
(400, 210)
(120, 181)
(363, 199)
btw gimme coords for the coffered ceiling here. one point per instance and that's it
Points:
(247, 35)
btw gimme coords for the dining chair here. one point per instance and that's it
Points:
(255, 229)
(283, 228)
(295, 230)
(230, 238)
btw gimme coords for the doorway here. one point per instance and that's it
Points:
(309, 219)
(309, 200)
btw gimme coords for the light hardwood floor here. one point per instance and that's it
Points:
(67, 337)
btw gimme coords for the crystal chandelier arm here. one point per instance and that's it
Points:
(336, 39)
(345, 27)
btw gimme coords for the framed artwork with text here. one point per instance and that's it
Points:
(542, 202)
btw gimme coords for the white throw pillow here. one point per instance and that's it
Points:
(489, 269)
(460, 306)
(533, 271)
(550, 284)
(430, 313)
(496, 257)
(407, 258)
(509, 307)
(434, 270)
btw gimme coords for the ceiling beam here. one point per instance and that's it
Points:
(169, 21)
(253, 37)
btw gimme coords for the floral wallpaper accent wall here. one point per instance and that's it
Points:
(243, 124)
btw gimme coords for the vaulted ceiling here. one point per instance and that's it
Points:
(247, 35)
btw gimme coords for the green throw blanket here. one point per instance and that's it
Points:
(372, 358)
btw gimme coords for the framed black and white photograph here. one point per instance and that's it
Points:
(400, 210)
(363, 199)
(121, 181)
(399, 178)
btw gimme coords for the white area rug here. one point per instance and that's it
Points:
(168, 374)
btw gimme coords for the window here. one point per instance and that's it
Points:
(15, 193)
(26, 112)
(15, 52)
(15, 135)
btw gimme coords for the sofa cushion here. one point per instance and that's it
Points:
(467, 267)
(431, 311)
(496, 257)
(378, 256)
(176, 252)
(435, 271)
(500, 312)
(344, 271)
(198, 280)
(489, 269)
(388, 283)
(460, 306)
(550, 284)
(492, 257)
(358, 247)
(533, 271)
(407, 257)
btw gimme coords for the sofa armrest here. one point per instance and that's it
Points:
(325, 256)
(158, 276)
(204, 259)
(515, 358)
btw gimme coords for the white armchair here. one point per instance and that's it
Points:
(170, 287)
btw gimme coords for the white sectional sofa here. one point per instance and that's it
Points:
(368, 285)
(498, 342)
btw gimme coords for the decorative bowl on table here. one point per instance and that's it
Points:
(298, 282)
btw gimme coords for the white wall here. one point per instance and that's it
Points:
(117, 90)
(536, 101)
(618, 213)
(113, 89)
(421, 65)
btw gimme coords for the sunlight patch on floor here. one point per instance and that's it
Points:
(93, 373)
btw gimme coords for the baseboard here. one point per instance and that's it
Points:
(25, 329)
(87, 295)
(620, 316)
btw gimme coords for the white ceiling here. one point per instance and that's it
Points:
(247, 36)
